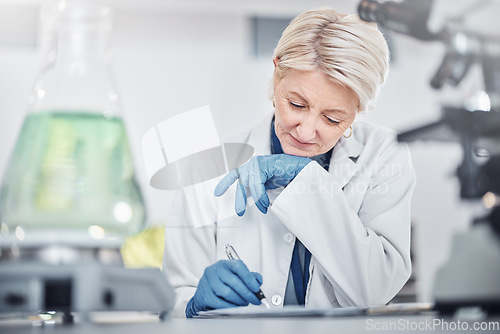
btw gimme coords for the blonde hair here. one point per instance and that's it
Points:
(353, 53)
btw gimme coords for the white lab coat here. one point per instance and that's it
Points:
(354, 219)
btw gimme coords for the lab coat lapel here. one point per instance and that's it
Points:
(260, 137)
(343, 162)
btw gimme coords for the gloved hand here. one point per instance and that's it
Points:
(259, 174)
(226, 283)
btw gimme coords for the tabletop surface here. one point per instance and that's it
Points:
(345, 325)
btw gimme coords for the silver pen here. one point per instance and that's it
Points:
(232, 255)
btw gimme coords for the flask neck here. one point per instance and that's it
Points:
(66, 47)
(76, 73)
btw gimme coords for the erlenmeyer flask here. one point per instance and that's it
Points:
(71, 173)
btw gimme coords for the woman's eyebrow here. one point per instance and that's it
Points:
(337, 111)
(300, 96)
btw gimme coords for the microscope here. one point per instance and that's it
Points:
(471, 33)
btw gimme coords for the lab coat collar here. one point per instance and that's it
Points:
(259, 136)
(351, 146)
(345, 154)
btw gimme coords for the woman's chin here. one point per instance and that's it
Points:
(298, 152)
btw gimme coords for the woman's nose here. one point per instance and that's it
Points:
(306, 129)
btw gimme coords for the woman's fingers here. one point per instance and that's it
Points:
(226, 182)
(249, 177)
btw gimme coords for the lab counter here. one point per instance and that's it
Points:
(317, 325)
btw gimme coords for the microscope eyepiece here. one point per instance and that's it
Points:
(407, 17)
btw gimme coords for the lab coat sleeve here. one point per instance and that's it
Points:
(364, 252)
(188, 251)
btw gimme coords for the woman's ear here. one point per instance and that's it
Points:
(275, 62)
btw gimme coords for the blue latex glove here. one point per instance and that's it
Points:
(259, 174)
(226, 283)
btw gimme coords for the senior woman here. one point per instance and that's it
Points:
(331, 221)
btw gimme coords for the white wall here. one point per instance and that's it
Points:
(169, 59)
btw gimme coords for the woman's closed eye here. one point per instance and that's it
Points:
(297, 105)
(331, 120)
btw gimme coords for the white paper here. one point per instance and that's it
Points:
(190, 132)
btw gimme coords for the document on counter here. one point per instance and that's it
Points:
(300, 311)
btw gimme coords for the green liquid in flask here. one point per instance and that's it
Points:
(72, 170)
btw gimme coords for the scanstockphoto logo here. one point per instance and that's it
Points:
(430, 325)
(379, 169)
(376, 179)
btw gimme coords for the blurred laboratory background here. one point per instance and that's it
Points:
(170, 56)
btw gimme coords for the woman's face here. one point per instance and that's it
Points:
(312, 112)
